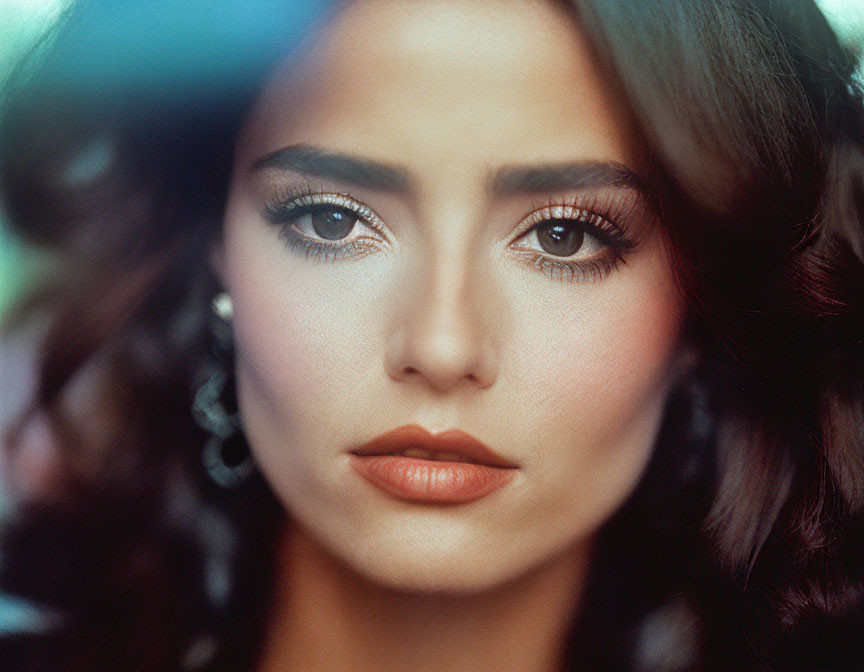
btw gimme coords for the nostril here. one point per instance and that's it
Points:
(440, 358)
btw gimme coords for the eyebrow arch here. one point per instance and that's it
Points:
(566, 176)
(310, 160)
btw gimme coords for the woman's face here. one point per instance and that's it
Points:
(436, 219)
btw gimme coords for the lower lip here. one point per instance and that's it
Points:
(430, 481)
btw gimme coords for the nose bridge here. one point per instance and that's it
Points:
(443, 335)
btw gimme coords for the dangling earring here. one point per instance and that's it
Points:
(225, 456)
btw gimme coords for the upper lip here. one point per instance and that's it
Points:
(450, 441)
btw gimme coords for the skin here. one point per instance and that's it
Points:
(442, 323)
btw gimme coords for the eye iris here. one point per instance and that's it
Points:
(333, 224)
(560, 239)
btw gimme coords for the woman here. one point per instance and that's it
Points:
(543, 321)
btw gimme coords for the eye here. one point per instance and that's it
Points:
(330, 226)
(571, 243)
(330, 223)
(564, 238)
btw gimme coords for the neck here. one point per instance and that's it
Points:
(327, 617)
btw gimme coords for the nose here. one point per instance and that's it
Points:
(444, 334)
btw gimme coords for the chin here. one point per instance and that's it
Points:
(428, 568)
(420, 578)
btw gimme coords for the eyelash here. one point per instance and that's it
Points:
(585, 213)
(287, 208)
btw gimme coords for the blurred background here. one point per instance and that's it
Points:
(21, 24)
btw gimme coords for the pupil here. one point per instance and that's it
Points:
(333, 224)
(561, 239)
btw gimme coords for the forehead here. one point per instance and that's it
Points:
(446, 83)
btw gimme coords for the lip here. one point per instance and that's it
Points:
(450, 441)
(433, 481)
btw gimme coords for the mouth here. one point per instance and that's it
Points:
(447, 468)
(450, 446)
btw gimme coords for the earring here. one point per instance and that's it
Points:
(225, 456)
(223, 307)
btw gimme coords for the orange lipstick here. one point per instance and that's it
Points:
(451, 467)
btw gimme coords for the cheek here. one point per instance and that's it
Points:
(618, 352)
(606, 344)
(304, 333)
(594, 362)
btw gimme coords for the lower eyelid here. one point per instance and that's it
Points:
(308, 247)
(589, 270)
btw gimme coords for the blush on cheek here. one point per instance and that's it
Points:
(620, 352)
(642, 343)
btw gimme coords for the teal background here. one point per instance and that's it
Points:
(21, 24)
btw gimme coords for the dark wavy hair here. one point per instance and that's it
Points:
(743, 545)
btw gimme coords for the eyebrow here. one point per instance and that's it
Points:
(364, 173)
(381, 176)
(566, 176)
